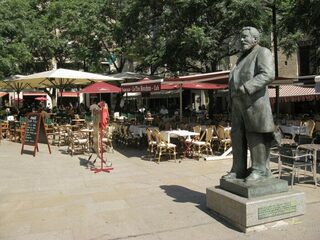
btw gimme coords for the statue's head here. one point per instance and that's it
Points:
(250, 37)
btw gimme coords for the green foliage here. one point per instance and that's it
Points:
(184, 35)
(299, 22)
(14, 22)
(189, 35)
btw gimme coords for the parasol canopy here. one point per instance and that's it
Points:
(101, 87)
(41, 99)
(61, 78)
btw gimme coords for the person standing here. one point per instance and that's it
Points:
(252, 119)
(93, 107)
(163, 111)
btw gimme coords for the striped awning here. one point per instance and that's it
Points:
(291, 93)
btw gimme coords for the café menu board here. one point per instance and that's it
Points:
(31, 130)
(34, 132)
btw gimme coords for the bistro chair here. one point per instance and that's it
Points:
(116, 133)
(13, 134)
(3, 129)
(163, 146)
(78, 142)
(129, 138)
(223, 138)
(20, 129)
(310, 125)
(60, 135)
(197, 129)
(200, 146)
(295, 159)
(152, 141)
(107, 138)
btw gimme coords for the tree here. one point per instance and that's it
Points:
(14, 50)
(189, 35)
(300, 22)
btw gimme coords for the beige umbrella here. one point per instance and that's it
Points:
(60, 79)
(11, 83)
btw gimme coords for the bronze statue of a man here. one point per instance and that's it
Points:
(252, 120)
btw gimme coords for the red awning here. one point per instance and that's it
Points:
(199, 86)
(101, 87)
(216, 77)
(144, 85)
(3, 94)
(203, 86)
(69, 94)
(291, 93)
(34, 94)
(169, 87)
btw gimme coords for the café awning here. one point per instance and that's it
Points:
(291, 93)
(220, 77)
(101, 87)
(144, 85)
(34, 94)
(204, 86)
(69, 94)
(2, 94)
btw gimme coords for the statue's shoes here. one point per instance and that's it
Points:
(230, 175)
(253, 177)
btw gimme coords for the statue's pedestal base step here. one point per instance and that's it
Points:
(245, 214)
(256, 189)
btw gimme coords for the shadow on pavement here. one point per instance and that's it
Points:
(183, 195)
(85, 162)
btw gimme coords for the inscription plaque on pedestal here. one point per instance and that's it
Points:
(277, 209)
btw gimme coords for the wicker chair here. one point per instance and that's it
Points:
(310, 125)
(108, 137)
(60, 135)
(164, 147)
(152, 142)
(203, 145)
(223, 138)
(78, 142)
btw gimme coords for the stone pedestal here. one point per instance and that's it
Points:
(256, 189)
(246, 213)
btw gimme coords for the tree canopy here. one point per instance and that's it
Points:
(156, 35)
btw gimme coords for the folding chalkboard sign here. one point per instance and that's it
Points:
(35, 132)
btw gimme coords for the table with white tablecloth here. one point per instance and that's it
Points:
(178, 133)
(140, 130)
(185, 138)
(293, 130)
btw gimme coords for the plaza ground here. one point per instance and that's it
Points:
(56, 196)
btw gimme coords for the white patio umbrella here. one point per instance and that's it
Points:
(11, 83)
(61, 79)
